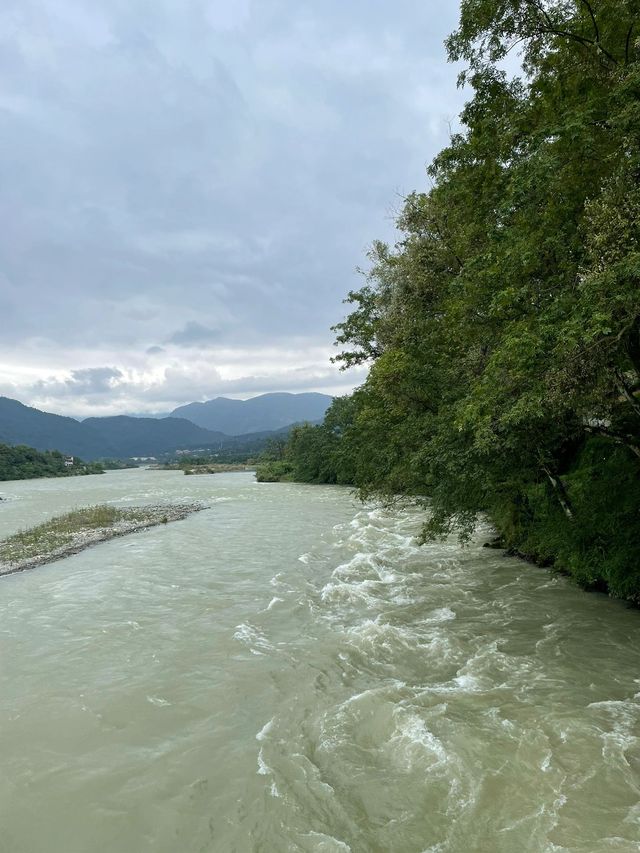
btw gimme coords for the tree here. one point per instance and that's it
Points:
(503, 329)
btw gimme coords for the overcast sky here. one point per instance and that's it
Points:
(188, 186)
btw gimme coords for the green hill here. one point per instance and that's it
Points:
(99, 438)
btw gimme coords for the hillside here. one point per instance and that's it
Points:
(259, 414)
(98, 438)
(118, 437)
(20, 424)
(128, 436)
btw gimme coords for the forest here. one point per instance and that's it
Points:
(26, 463)
(502, 330)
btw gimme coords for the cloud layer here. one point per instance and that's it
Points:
(189, 186)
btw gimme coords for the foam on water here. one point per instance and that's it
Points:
(412, 744)
(253, 638)
(264, 731)
(263, 767)
(318, 842)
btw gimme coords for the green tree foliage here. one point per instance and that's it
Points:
(314, 454)
(272, 466)
(503, 329)
(25, 463)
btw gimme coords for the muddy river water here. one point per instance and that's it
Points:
(289, 671)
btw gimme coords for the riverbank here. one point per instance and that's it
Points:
(73, 532)
(204, 468)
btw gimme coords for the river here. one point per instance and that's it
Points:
(289, 671)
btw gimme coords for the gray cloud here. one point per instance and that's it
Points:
(194, 334)
(106, 391)
(91, 380)
(214, 165)
(84, 382)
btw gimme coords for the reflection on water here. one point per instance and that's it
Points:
(288, 671)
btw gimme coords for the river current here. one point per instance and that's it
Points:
(289, 671)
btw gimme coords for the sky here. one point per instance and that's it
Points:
(189, 187)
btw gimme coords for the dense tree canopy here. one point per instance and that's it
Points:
(26, 463)
(503, 329)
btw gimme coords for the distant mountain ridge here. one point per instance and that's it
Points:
(266, 412)
(150, 436)
(122, 436)
(20, 424)
(95, 438)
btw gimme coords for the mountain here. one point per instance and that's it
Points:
(123, 436)
(129, 436)
(259, 414)
(96, 438)
(20, 424)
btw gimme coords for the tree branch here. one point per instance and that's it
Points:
(627, 43)
(583, 40)
(628, 441)
(627, 392)
(593, 20)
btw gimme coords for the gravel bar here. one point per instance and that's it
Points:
(143, 518)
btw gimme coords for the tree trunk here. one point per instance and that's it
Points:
(561, 493)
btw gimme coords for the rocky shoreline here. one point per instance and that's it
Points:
(133, 520)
